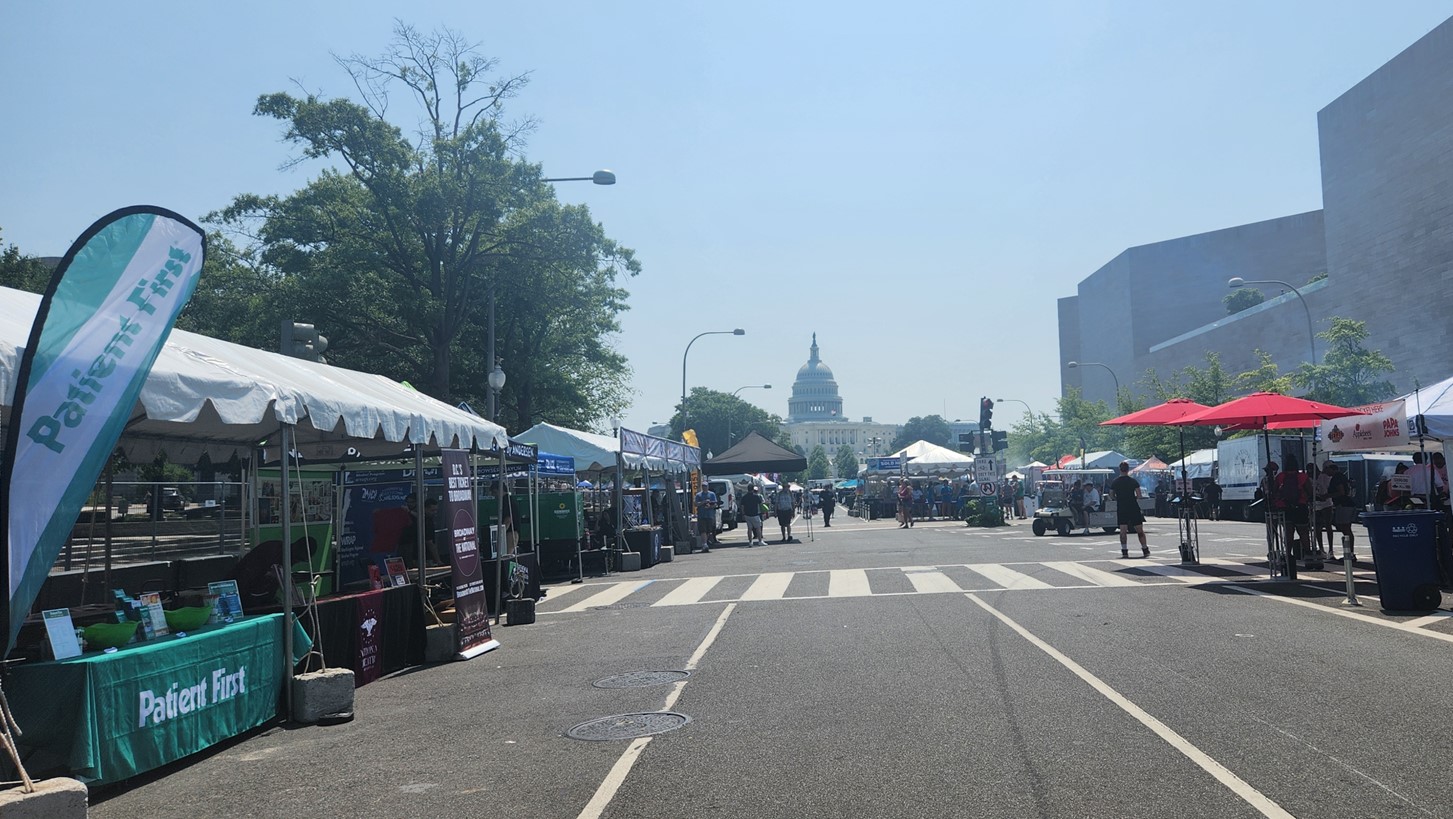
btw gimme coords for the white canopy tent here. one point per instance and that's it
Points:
(205, 395)
(922, 458)
(1198, 464)
(592, 452)
(1103, 459)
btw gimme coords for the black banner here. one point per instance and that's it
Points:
(471, 608)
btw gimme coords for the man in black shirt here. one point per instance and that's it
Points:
(1127, 509)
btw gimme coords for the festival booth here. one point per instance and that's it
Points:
(199, 683)
(665, 518)
(601, 466)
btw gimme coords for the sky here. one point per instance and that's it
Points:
(916, 182)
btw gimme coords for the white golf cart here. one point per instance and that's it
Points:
(1054, 513)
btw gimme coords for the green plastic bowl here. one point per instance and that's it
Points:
(189, 618)
(109, 635)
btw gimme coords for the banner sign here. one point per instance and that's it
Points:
(101, 324)
(471, 609)
(639, 443)
(1377, 426)
(368, 642)
(885, 464)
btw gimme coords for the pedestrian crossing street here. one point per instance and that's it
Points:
(883, 582)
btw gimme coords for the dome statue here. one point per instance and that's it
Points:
(814, 393)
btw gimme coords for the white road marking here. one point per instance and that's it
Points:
(1429, 620)
(689, 592)
(1097, 576)
(1340, 612)
(557, 592)
(1253, 797)
(770, 586)
(1178, 573)
(614, 593)
(1008, 578)
(848, 583)
(929, 582)
(622, 768)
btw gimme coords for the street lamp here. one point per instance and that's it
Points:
(599, 178)
(1076, 364)
(737, 332)
(497, 376)
(1029, 413)
(738, 390)
(1238, 282)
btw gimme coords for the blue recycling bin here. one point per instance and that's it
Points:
(1404, 551)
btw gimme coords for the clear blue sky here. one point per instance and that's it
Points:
(917, 182)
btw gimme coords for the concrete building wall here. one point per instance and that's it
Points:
(1387, 190)
(1153, 293)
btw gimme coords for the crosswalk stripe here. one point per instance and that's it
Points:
(931, 582)
(614, 593)
(1097, 576)
(770, 586)
(1233, 565)
(1008, 578)
(848, 583)
(689, 592)
(557, 592)
(1177, 573)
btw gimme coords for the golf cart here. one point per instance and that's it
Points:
(1054, 513)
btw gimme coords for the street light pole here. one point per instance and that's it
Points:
(1075, 364)
(1028, 413)
(599, 178)
(737, 332)
(738, 390)
(1238, 282)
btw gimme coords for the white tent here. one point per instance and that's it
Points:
(923, 457)
(1198, 464)
(1103, 459)
(205, 395)
(1435, 404)
(592, 452)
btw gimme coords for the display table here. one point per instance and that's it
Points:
(106, 717)
(647, 542)
(373, 632)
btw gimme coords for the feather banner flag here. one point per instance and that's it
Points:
(105, 316)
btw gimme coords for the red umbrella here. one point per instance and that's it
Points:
(1257, 410)
(1171, 413)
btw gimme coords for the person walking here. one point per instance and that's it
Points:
(706, 504)
(752, 511)
(1212, 493)
(905, 504)
(829, 503)
(1127, 510)
(786, 509)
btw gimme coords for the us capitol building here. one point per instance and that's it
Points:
(815, 415)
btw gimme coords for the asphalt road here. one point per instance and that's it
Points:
(877, 672)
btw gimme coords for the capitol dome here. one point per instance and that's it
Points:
(814, 393)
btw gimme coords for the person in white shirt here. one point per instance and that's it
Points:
(1092, 502)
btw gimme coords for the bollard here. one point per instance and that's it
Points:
(1347, 568)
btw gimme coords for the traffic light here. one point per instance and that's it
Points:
(966, 442)
(1001, 440)
(986, 413)
(303, 341)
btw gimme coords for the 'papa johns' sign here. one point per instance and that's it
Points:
(158, 707)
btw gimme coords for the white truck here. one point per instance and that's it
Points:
(728, 514)
(1240, 462)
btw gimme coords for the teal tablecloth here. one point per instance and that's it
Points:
(105, 717)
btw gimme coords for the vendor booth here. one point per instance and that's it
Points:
(206, 397)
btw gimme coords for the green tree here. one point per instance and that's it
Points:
(1350, 374)
(1242, 298)
(1209, 385)
(1264, 378)
(846, 462)
(1043, 438)
(722, 419)
(931, 428)
(23, 272)
(394, 254)
(817, 464)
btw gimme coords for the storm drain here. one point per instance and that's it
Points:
(628, 726)
(641, 679)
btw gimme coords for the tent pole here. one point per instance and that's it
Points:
(619, 491)
(285, 439)
(419, 519)
(501, 536)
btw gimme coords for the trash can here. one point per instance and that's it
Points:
(1404, 552)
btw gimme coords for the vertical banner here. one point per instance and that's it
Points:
(368, 659)
(471, 607)
(101, 324)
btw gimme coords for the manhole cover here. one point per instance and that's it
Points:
(641, 679)
(628, 726)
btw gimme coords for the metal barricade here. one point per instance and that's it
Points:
(1279, 558)
(1189, 534)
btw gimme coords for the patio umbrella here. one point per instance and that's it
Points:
(1172, 413)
